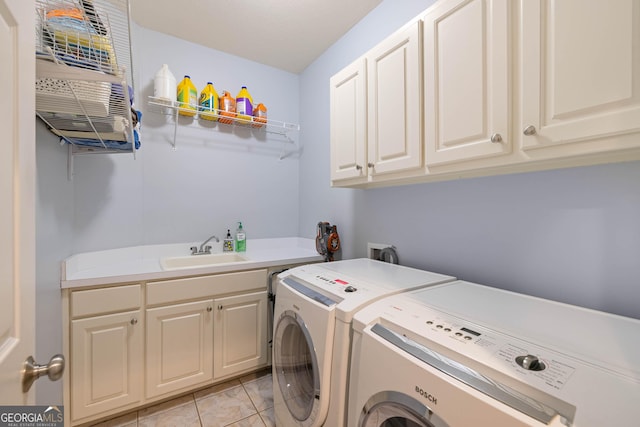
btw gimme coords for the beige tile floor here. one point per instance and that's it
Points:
(245, 402)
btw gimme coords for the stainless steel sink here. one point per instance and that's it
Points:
(194, 261)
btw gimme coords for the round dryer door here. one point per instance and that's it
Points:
(393, 409)
(296, 367)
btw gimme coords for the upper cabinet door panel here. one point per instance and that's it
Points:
(393, 82)
(581, 70)
(467, 77)
(348, 109)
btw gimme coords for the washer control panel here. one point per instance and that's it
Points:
(520, 359)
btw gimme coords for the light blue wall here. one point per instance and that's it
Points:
(572, 235)
(215, 176)
(54, 234)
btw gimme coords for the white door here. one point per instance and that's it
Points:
(17, 197)
(393, 92)
(581, 74)
(467, 77)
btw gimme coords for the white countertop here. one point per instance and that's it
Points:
(142, 263)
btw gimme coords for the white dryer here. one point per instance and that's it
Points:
(465, 354)
(311, 341)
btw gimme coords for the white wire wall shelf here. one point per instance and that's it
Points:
(174, 108)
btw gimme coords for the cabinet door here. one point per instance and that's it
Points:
(240, 336)
(179, 347)
(106, 363)
(394, 103)
(348, 109)
(581, 73)
(467, 77)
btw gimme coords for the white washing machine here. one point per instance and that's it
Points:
(465, 354)
(311, 341)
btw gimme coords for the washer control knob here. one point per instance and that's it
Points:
(350, 289)
(530, 362)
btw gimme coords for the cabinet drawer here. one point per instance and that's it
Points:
(170, 291)
(105, 300)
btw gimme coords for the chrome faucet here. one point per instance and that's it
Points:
(203, 250)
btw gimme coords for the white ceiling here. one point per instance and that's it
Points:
(286, 34)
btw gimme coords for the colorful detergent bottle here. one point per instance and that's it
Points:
(259, 115)
(227, 108)
(209, 103)
(187, 97)
(244, 104)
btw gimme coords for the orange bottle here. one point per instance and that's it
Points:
(259, 115)
(227, 108)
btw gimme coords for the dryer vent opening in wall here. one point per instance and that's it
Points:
(373, 249)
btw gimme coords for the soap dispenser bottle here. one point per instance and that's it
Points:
(241, 239)
(227, 245)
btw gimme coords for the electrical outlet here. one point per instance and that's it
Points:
(373, 249)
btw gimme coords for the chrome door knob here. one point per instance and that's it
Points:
(358, 167)
(370, 165)
(529, 130)
(31, 371)
(496, 138)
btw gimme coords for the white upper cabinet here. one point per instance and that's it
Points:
(394, 103)
(467, 77)
(483, 87)
(580, 75)
(348, 105)
(376, 110)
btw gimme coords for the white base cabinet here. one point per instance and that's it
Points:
(240, 334)
(132, 345)
(179, 347)
(107, 363)
(106, 349)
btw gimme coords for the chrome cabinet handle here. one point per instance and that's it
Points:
(496, 138)
(31, 371)
(358, 167)
(529, 130)
(370, 164)
(209, 309)
(220, 307)
(134, 321)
